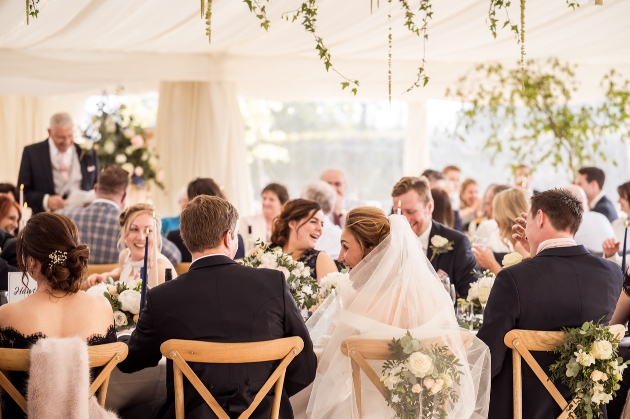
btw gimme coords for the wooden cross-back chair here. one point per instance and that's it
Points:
(182, 268)
(360, 350)
(99, 269)
(184, 351)
(522, 342)
(107, 356)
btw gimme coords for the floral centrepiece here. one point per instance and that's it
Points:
(486, 280)
(419, 381)
(124, 299)
(589, 365)
(303, 287)
(440, 245)
(333, 281)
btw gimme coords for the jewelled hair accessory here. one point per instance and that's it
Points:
(58, 257)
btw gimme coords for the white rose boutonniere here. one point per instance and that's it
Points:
(440, 245)
(511, 259)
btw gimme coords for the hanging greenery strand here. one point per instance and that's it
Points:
(31, 9)
(425, 7)
(389, 50)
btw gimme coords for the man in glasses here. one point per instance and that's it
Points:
(337, 179)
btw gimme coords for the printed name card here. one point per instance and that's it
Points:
(17, 290)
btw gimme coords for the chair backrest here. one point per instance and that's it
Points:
(359, 350)
(522, 342)
(99, 269)
(183, 351)
(182, 268)
(107, 356)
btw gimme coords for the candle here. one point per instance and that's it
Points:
(399, 210)
(21, 195)
(154, 254)
(143, 272)
(623, 260)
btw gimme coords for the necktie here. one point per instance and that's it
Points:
(63, 167)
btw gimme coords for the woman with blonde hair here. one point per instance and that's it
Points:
(136, 223)
(470, 204)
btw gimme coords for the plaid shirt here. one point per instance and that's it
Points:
(100, 231)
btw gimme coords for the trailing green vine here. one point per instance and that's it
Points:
(31, 9)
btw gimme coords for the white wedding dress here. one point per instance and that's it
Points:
(392, 290)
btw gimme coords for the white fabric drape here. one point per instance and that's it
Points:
(200, 133)
(416, 158)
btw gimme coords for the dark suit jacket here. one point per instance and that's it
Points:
(175, 236)
(8, 261)
(219, 300)
(36, 173)
(606, 207)
(560, 287)
(459, 262)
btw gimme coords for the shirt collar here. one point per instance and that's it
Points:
(54, 151)
(553, 243)
(424, 237)
(596, 200)
(206, 256)
(106, 201)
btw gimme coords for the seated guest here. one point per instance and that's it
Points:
(337, 179)
(8, 261)
(10, 215)
(325, 195)
(218, 300)
(453, 176)
(523, 178)
(591, 179)
(417, 206)
(442, 211)
(525, 296)
(201, 186)
(259, 226)
(98, 222)
(49, 250)
(437, 180)
(9, 190)
(172, 223)
(487, 230)
(507, 205)
(137, 222)
(297, 230)
(469, 202)
(619, 225)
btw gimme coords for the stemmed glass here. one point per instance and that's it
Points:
(484, 293)
(465, 314)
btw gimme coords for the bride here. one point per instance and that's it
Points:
(392, 289)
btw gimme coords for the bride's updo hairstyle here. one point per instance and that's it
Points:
(294, 210)
(53, 240)
(128, 215)
(369, 225)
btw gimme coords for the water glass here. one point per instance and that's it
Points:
(464, 312)
(480, 241)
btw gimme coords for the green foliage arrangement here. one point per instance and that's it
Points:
(528, 113)
(419, 381)
(589, 365)
(124, 297)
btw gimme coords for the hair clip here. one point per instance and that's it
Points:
(58, 257)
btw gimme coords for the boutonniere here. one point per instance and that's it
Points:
(440, 245)
(511, 259)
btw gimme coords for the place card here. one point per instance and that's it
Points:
(17, 290)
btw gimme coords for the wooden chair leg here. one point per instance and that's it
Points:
(178, 381)
(517, 381)
(356, 380)
(275, 409)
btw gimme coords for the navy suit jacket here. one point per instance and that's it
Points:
(219, 300)
(559, 287)
(606, 207)
(36, 173)
(459, 262)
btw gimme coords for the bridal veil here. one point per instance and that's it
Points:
(392, 290)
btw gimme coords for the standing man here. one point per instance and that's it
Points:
(337, 179)
(52, 169)
(591, 179)
(416, 204)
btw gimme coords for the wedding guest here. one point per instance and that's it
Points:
(218, 300)
(416, 204)
(436, 179)
(273, 196)
(201, 186)
(523, 178)
(469, 202)
(8, 260)
(507, 205)
(525, 296)
(9, 190)
(337, 179)
(48, 248)
(442, 210)
(325, 195)
(619, 225)
(137, 222)
(51, 170)
(591, 179)
(487, 230)
(172, 223)
(98, 222)
(453, 176)
(10, 215)
(297, 230)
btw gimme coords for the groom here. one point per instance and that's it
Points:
(562, 285)
(218, 300)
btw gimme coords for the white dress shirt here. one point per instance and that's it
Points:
(71, 160)
(595, 228)
(330, 240)
(554, 243)
(424, 238)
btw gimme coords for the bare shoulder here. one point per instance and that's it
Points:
(97, 303)
(6, 315)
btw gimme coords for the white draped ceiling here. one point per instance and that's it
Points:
(77, 45)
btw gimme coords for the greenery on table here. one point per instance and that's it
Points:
(527, 113)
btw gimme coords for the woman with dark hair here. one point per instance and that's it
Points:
(49, 250)
(442, 209)
(259, 226)
(10, 215)
(297, 229)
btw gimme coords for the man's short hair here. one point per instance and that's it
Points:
(112, 180)
(322, 193)
(562, 207)
(62, 119)
(450, 169)
(204, 186)
(433, 175)
(594, 174)
(418, 184)
(204, 222)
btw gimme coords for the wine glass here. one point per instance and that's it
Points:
(484, 293)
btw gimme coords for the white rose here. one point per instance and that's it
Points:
(583, 358)
(601, 349)
(439, 241)
(428, 382)
(300, 266)
(121, 158)
(448, 381)
(128, 167)
(269, 259)
(420, 364)
(395, 398)
(296, 273)
(306, 271)
(153, 161)
(473, 292)
(128, 133)
(596, 375)
(129, 150)
(109, 147)
(511, 259)
(285, 271)
(130, 301)
(120, 318)
(390, 381)
(145, 156)
(112, 290)
(306, 289)
(97, 289)
(437, 387)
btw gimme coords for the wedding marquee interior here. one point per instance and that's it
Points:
(81, 47)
